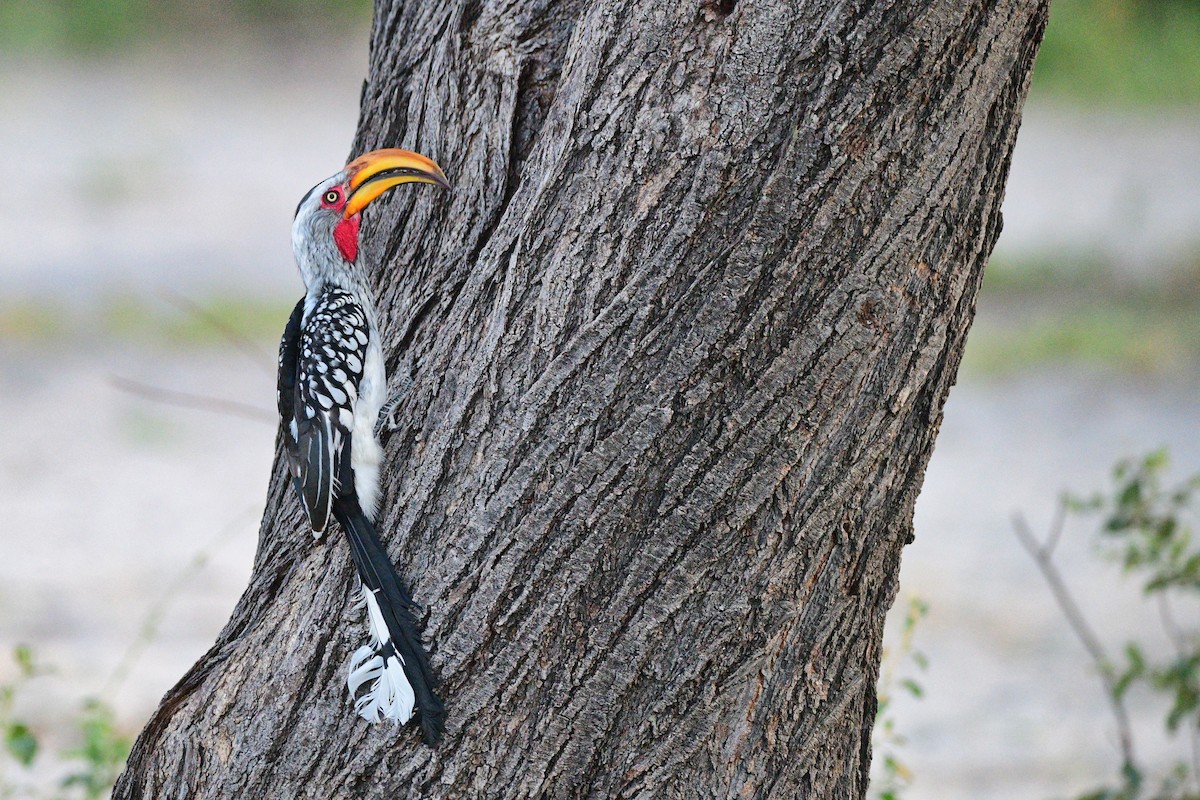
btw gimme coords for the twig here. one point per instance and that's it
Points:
(1170, 626)
(236, 338)
(201, 402)
(1056, 529)
(1042, 556)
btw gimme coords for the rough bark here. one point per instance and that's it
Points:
(680, 341)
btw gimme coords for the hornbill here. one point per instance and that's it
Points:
(331, 390)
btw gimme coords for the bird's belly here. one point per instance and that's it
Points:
(365, 452)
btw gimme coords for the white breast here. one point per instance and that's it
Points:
(365, 452)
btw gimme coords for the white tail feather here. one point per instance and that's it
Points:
(389, 694)
(379, 630)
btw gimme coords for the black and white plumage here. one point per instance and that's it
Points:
(329, 369)
(331, 388)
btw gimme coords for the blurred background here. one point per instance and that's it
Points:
(161, 148)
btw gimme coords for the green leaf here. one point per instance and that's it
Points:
(1133, 778)
(23, 655)
(1186, 701)
(1137, 661)
(1078, 504)
(21, 743)
(1157, 460)
(1135, 670)
(102, 754)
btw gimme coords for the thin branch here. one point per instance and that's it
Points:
(1170, 626)
(200, 402)
(1056, 530)
(249, 348)
(1078, 623)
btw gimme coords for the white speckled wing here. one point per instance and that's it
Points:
(332, 351)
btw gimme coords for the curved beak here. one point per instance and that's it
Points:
(374, 173)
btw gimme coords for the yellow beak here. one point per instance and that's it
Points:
(374, 173)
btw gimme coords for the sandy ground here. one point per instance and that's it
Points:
(181, 171)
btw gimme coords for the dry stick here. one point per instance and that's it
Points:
(1079, 624)
(1056, 530)
(201, 402)
(197, 401)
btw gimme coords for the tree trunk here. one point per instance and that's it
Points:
(680, 341)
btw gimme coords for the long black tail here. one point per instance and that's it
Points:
(390, 613)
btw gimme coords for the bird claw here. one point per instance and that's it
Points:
(398, 389)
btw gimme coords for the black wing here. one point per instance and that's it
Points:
(329, 356)
(285, 385)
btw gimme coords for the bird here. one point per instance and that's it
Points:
(332, 390)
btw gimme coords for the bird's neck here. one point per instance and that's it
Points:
(327, 269)
(323, 264)
(350, 280)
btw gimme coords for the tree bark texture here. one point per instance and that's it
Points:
(680, 341)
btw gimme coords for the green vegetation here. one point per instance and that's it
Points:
(20, 743)
(890, 775)
(29, 321)
(1130, 337)
(101, 756)
(1121, 53)
(1114, 52)
(90, 767)
(1033, 315)
(109, 25)
(79, 24)
(178, 321)
(1148, 528)
(218, 320)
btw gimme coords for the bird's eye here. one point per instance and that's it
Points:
(332, 196)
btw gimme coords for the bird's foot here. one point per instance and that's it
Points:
(398, 389)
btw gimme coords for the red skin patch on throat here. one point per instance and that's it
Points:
(345, 235)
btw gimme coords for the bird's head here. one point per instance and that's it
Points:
(327, 218)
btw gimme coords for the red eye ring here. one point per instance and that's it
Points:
(332, 196)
